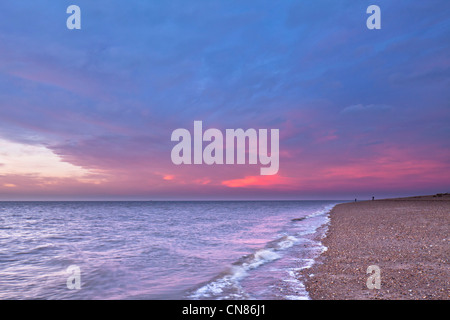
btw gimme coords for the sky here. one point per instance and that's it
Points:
(88, 114)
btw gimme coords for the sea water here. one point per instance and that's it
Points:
(159, 250)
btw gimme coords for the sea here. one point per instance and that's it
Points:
(159, 250)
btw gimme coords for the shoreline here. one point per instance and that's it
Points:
(408, 238)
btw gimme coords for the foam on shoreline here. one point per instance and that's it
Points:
(228, 284)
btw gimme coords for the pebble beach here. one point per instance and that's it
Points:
(407, 238)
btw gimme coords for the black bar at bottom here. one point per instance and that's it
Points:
(222, 309)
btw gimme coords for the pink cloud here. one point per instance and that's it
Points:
(256, 181)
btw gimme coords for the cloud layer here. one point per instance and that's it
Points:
(359, 111)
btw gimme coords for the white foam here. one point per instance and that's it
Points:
(323, 211)
(292, 297)
(229, 283)
(262, 256)
(296, 289)
(287, 242)
(295, 284)
(235, 275)
(218, 286)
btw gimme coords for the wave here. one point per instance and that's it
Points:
(227, 285)
(38, 249)
(321, 212)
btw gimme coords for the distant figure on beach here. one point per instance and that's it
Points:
(355, 199)
(373, 198)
